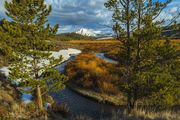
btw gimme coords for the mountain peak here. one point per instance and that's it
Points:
(86, 32)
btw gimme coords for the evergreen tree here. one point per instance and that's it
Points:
(7, 34)
(34, 64)
(146, 62)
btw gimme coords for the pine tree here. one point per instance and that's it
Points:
(34, 64)
(140, 57)
(7, 30)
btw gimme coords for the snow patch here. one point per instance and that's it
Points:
(86, 32)
(66, 55)
(5, 71)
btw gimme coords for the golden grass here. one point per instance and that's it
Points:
(107, 41)
(94, 78)
(156, 115)
(117, 100)
(93, 73)
(6, 97)
(93, 41)
(94, 45)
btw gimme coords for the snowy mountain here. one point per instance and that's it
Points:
(86, 32)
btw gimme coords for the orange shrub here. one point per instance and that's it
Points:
(93, 73)
(3, 111)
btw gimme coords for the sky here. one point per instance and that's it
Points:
(72, 15)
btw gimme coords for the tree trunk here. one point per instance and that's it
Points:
(128, 62)
(130, 104)
(39, 98)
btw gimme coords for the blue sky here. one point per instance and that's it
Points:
(75, 14)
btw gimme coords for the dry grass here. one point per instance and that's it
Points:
(113, 53)
(95, 78)
(156, 115)
(94, 45)
(3, 111)
(145, 114)
(138, 114)
(4, 96)
(92, 41)
(91, 72)
(117, 100)
(62, 109)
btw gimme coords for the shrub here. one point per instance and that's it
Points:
(31, 107)
(155, 115)
(3, 111)
(62, 109)
(113, 53)
(93, 73)
(4, 96)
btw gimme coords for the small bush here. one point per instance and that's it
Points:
(155, 115)
(4, 96)
(113, 53)
(3, 111)
(93, 73)
(62, 109)
(31, 107)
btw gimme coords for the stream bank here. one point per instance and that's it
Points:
(81, 103)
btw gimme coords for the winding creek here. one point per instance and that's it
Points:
(80, 105)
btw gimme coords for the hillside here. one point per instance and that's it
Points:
(170, 32)
(73, 36)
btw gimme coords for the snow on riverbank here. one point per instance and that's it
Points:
(5, 71)
(66, 55)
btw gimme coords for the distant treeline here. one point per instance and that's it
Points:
(73, 36)
(171, 32)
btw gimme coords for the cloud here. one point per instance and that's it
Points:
(79, 13)
(173, 10)
(170, 12)
(91, 14)
(2, 9)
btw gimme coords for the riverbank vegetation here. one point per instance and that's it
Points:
(95, 45)
(90, 72)
(140, 114)
(95, 78)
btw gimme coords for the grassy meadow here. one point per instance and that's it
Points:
(94, 77)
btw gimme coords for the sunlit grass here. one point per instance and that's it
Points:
(94, 77)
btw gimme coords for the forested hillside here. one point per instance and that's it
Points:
(73, 36)
(172, 32)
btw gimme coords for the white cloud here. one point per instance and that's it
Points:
(91, 14)
(92, 3)
(2, 9)
(173, 10)
(80, 12)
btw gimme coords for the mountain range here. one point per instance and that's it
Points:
(86, 32)
(90, 34)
